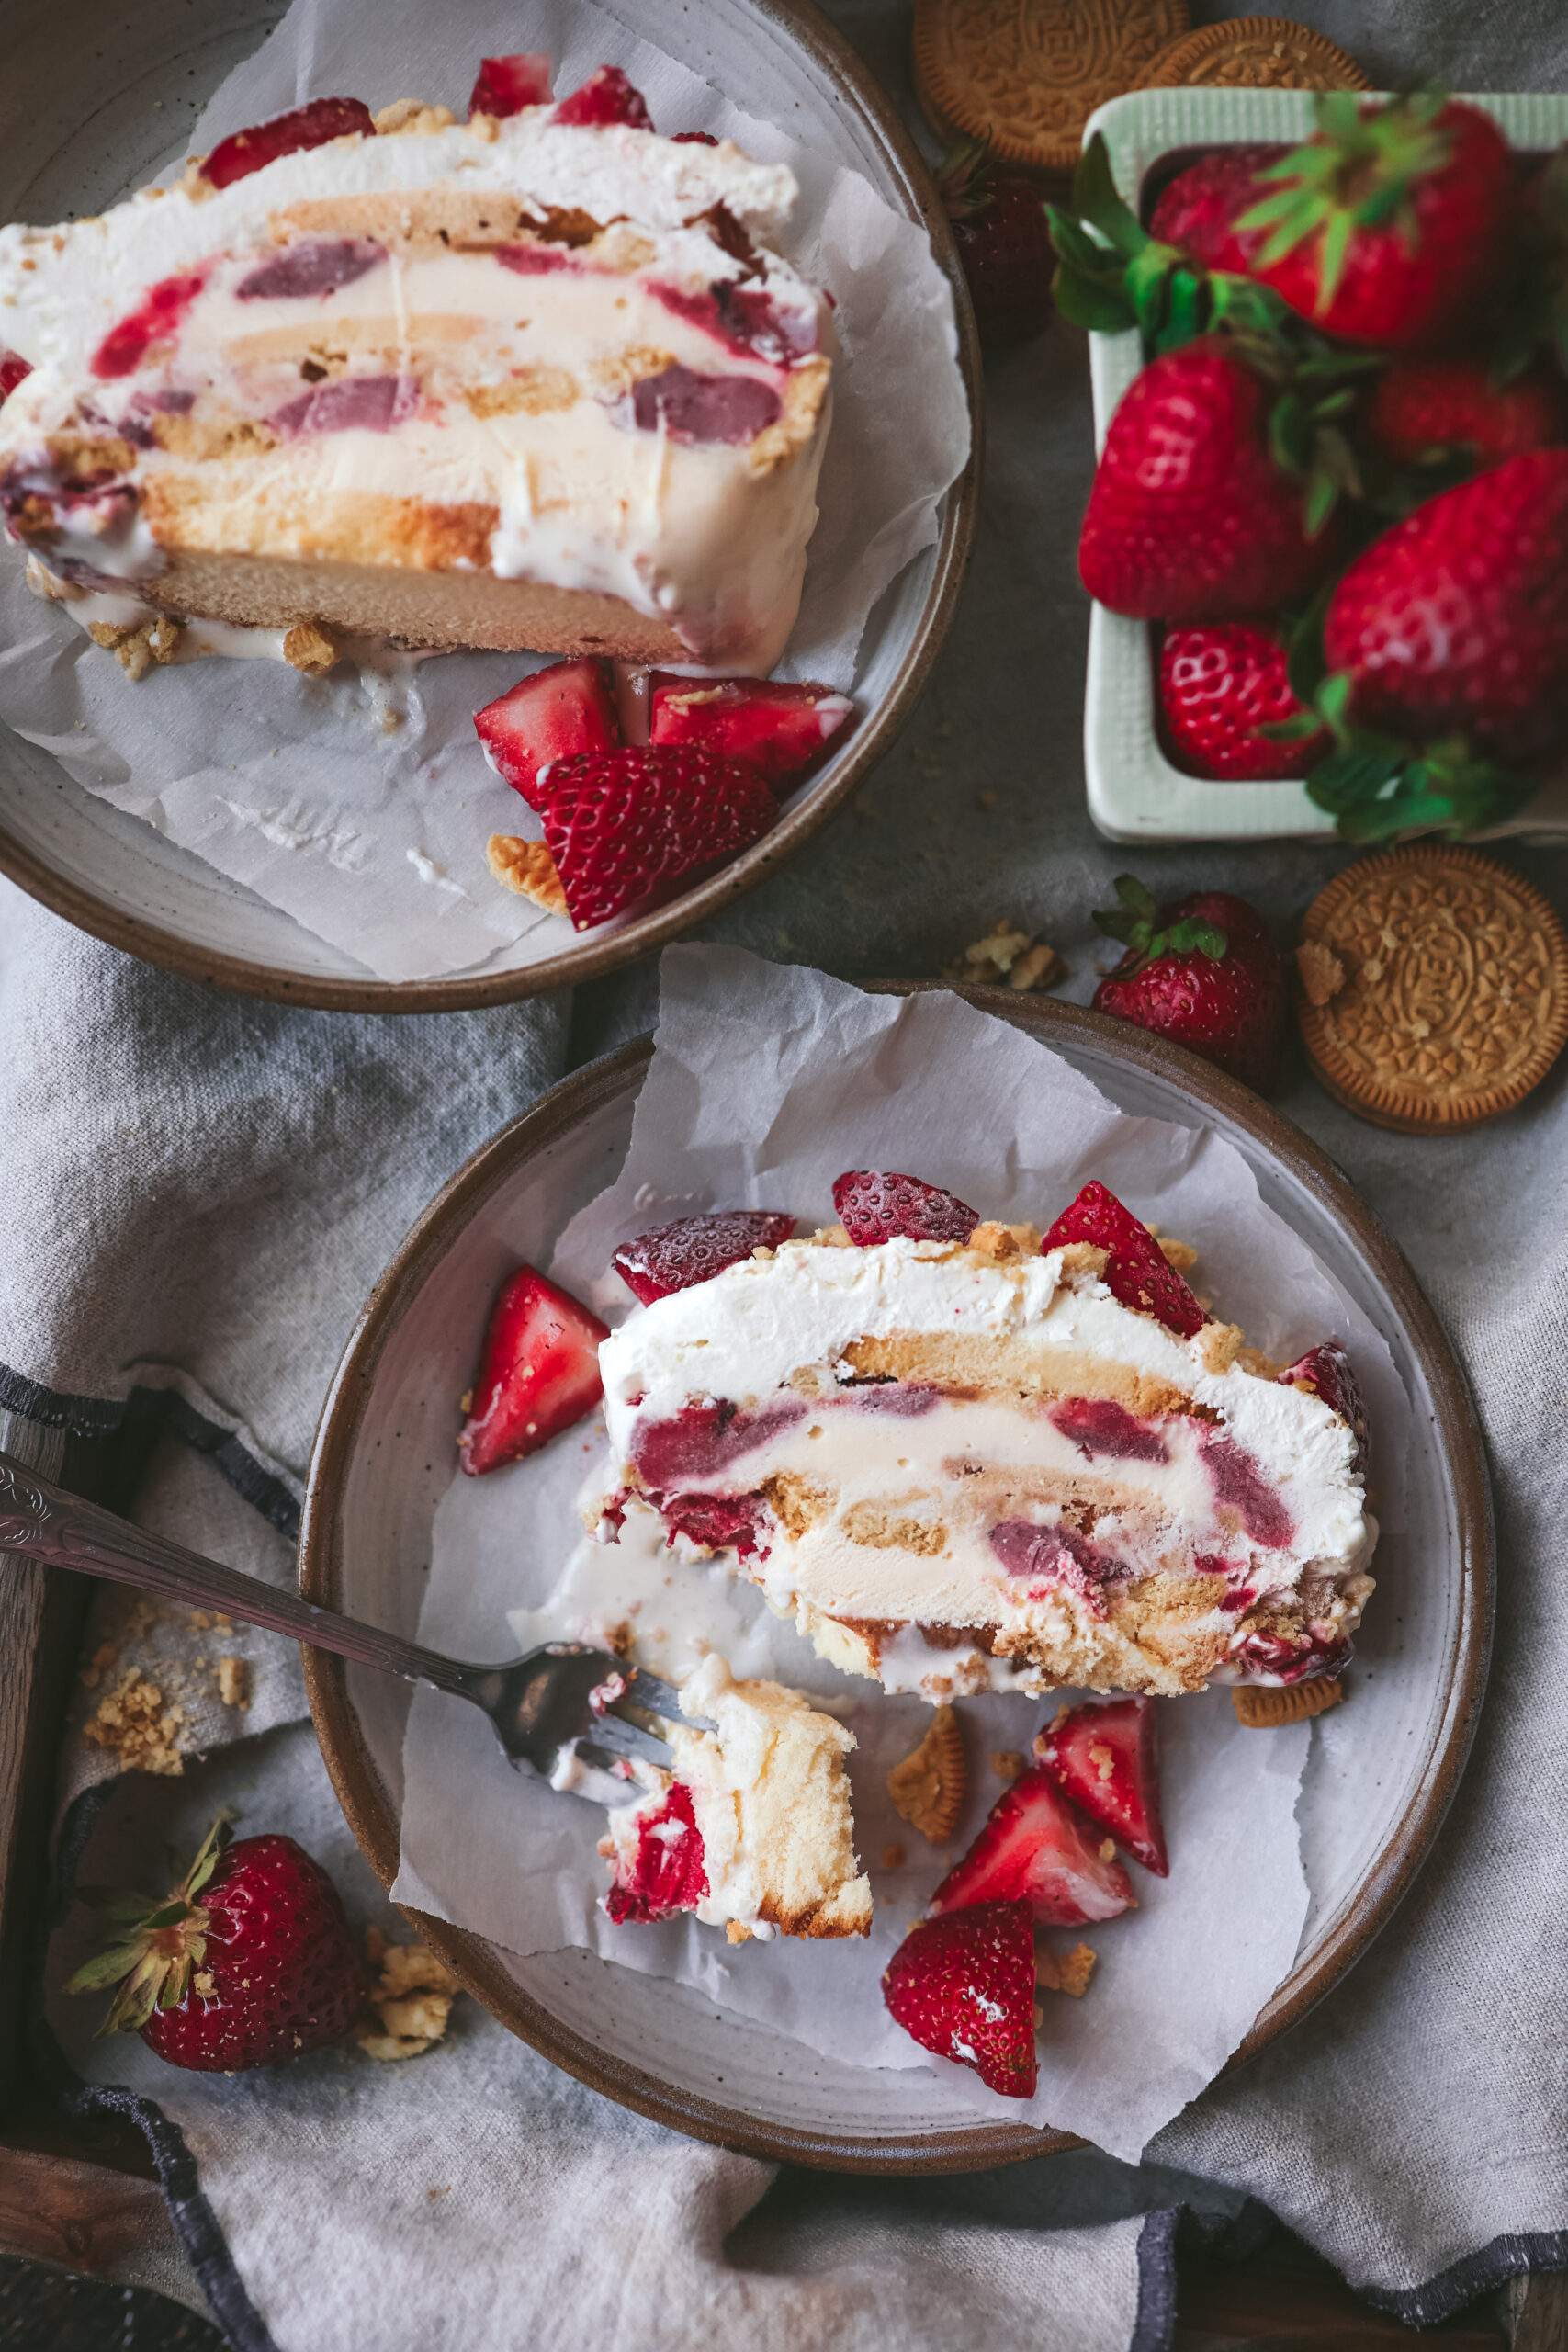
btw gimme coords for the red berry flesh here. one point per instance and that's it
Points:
(782, 730)
(568, 708)
(1138, 1273)
(244, 152)
(693, 1248)
(1104, 1756)
(539, 1373)
(1197, 212)
(963, 1986)
(1420, 411)
(606, 97)
(621, 824)
(504, 86)
(879, 1205)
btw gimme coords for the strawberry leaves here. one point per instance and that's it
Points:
(153, 1964)
(1358, 174)
(1135, 925)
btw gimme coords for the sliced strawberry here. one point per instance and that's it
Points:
(1326, 1371)
(620, 823)
(1105, 1757)
(668, 1873)
(541, 1373)
(963, 1987)
(13, 367)
(781, 730)
(1139, 1274)
(606, 97)
(568, 708)
(1036, 1847)
(693, 138)
(693, 1248)
(874, 1205)
(244, 152)
(506, 84)
(156, 319)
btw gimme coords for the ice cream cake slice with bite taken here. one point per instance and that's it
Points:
(962, 1458)
(537, 379)
(752, 1829)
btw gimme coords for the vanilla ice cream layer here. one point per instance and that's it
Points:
(1047, 1484)
(530, 357)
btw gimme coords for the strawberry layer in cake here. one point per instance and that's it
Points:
(752, 1829)
(540, 379)
(962, 1458)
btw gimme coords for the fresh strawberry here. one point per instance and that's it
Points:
(1104, 1756)
(1000, 228)
(781, 730)
(1189, 517)
(1197, 212)
(963, 1987)
(568, 708)
(539, 1373)
(1035, 1848)
(668, 1871)
(1392, 223)
(244, 152)
(247, 1962)
(606, 97)
(876, 1205)
(619, 824)
(695, 1249)
(1326, 1371)
(506, 84)
(13, 367)
(1219, 682)
(1457, 618)
(1420, 411)
(1204, 971)
(1139, 1273)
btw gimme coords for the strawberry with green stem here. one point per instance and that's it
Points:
(998, 226)
(1204, 972)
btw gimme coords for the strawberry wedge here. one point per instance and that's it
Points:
(1105, 1757)
(875, 1204)
(244, 152)
(779, 730)
(693, 1248)
(541, 1373)
(1326, 1371)
(568, 708)
(504, 86)
(1139, 1273)
(1035, 1848)
(963, 1987)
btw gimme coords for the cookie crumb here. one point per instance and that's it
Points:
(309, 647)
(1323, 975)
(528, 868)
(1006, 953)
(413, 117)
(1067, 1971)
(410, 2000)
(133, 1722)
(926, 1788)
(235, 1682)
(892, 1858)
(1006, 1763)
(1180, 1254)
(735, 1931)
(1265, 1707)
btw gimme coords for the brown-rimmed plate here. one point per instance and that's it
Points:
(73, 141)
(384, 1456)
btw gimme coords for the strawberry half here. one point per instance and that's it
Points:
(566, 708)
(1139, 1273)
(693, 1248)
(1190, 518)
(505, 85)
(13, 367)
(248, 1962)
(1457, 618)
(781, 730)
(1202, 971)
(1326, 1371)
(963, 1987)
(1197, 212)
(621, 823)
(244, 152)
(1034, 1849)
(1219, 682)
(606, 97)
(875, 1207)
(1105, 1757)
(1391, 224)
(1426, 412)
(539, 1373)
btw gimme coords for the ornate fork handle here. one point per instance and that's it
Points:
(64, 1532)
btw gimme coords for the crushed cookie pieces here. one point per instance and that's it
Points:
(1064, 1971)
(735, 1931)
(1006, 1763)
(1008, 953)
(410, 1999)
(927, 1788)
(528, 868)
(412, 118)
(1267, 1707)
(133, 1722)
(235, 1682)
(1322, 973)
(309, 647)
(892, 1858)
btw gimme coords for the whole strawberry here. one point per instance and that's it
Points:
(999, 225)
(1197, 212)
(1392, 223)
(1219, 682)
(248, 1962)
(1456, 620)
(1424, 412)
(1189, 517)
(1204, 972)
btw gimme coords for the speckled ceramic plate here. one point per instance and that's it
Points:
(92, 98)
(1380, 1776)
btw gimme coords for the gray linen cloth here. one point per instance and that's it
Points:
(199, 1194)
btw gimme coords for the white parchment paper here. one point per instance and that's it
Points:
(374, 839)
(768, 1082)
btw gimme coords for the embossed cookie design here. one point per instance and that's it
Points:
(1434, 988)
(1026, 74)
(1255, 53)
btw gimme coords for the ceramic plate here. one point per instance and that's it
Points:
(71, 142)
(1371, 1803)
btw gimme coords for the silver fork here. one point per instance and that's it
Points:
(539, 1703)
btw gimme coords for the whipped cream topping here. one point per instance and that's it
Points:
(1040, 1451)
(639, 404)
